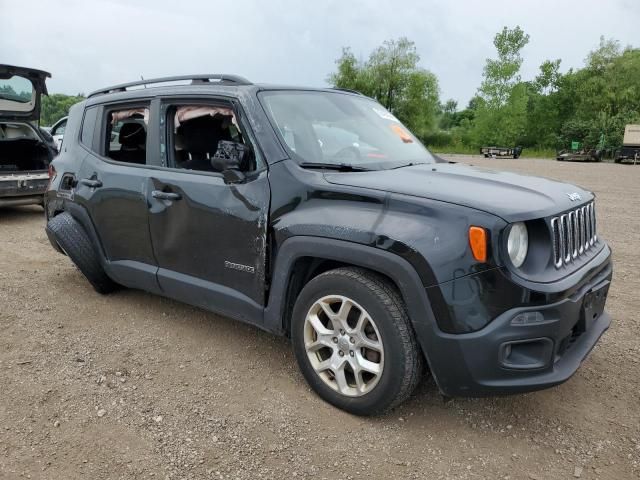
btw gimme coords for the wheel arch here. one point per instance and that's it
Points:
(301, 258)
(81, 216)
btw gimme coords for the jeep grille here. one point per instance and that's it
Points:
(574, 233)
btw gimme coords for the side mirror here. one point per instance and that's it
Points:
(229, 159)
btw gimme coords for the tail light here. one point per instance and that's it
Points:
(52, 174)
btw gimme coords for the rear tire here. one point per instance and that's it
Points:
(75, 242)
(364, 370)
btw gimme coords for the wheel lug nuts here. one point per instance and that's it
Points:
(341, 332)
(341, 353)
(335, 339)
(351, 353)
(352, 340)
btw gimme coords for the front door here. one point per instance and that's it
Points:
(209, 236)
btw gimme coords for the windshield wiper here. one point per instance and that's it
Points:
(410, 164)
(340, 167)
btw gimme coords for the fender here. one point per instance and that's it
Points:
(393, 266)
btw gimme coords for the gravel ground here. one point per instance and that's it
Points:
(136, 386)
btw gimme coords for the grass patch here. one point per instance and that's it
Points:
(456, 150)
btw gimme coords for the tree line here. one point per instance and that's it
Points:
(56, 106)
(589, 105)
(52, 107)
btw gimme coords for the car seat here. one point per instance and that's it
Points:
(200, 137)
(132, 139)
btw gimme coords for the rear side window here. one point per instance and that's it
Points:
(88, 126)
(125, 134)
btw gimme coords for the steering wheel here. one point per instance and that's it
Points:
(348, 154)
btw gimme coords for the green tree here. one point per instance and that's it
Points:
(56, 106)
(502, 104)
(392, 76)
(602, 97)
(543, 107)
(449, 115)
(547, 80)
(590, 104)
(502, 74)
(599, 59)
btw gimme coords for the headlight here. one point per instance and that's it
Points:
(518, 244)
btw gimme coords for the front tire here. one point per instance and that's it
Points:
(354, 343)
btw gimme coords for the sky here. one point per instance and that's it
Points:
(95, 43)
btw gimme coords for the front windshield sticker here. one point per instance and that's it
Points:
(402, 133)
(384, 114)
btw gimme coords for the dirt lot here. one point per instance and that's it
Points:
(136, 386)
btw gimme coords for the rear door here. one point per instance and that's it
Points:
(113, 191)
(209, 236)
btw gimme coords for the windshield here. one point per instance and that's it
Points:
(336, 128)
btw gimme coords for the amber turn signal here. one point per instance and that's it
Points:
(478, 243)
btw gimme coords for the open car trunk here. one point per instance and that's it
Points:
(22, 144)
(24, 163)
(25, 152)
(24, 182)
(21, 150)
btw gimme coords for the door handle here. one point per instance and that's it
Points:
(91, 182)
(159, 194)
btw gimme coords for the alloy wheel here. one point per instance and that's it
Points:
(344, 345)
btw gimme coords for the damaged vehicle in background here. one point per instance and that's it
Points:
(57, 131)
(25, 149)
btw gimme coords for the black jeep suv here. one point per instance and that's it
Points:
(314, 213)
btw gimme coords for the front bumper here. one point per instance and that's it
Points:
(26, 188)
(528, 347)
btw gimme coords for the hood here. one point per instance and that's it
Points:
(511, 196)
(20, 92)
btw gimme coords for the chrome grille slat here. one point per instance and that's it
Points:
(573, 234)
(556, 233)
(594, 238)
(584, 242)
(589, 227)
(575, 240)
(581, 232)
(566, 234)
(592, 225)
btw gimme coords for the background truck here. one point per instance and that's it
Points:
(630, 150)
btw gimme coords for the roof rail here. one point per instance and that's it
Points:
(347, 90)
(222, 79)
